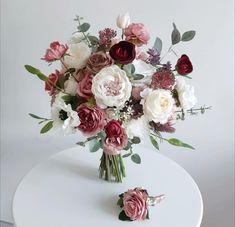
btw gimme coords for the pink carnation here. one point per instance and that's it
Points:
(137, 33)
(50, 84)
(55, 52)
(84, 86)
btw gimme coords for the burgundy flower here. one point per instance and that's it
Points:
(50, 84)
(123, 52)
(92, 119)
(113, 129)
(55, 52)
(184, 65)
(84, 86)
(167, 127)
(163, 79)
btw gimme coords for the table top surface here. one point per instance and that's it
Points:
(66, 191)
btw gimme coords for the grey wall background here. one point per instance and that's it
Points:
(27, 28)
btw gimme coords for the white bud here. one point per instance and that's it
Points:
(123, 21)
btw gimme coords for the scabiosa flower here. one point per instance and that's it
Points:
(106, 36)
(163, 79)
(154, 57)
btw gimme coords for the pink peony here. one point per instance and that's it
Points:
(135, 204)
(92, 119)
(55, 52)
(137, 33)
(84, 85)
(163, 79)
(50, 84)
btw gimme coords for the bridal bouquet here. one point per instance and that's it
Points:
(115, 92)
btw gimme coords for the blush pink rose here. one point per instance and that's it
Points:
(92, 119)
(84, 86)
(135, 204)
(137, 33)
(50, 84)
(55, 52)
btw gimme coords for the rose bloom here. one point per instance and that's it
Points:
(135, 204)
(158, 105)
(50, 84)
(84, 86)
(137, 33)
(184, 65)
(55, 52)
(115, 139)
(97, 61)
(123, 52)
(163, 79)
(92, 119)
(111, 87)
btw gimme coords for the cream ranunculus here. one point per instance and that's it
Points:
(78, 53)
(111, 87)
(158, 105)
(186, 94)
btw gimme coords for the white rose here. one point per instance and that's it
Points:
(111, 87)
(70, 86)
(123, 21)
(137, 128)
(78, 53)
(186, 94)
(158, 105)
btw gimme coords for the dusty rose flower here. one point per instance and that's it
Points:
(92, 119)
(135, 204)
(50, 85)
(55, 52)
(113, 129)
(106, 36)
(84, 86)
(98, 61)
(135, 93)
(137, 33)
(163, 79)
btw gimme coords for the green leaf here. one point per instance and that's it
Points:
(158, 45)
(178, 143)
(120, 202)
(37, 72)
(93, 39)
(66, 98)
(138, 76)
(84, 27)
(154, 142)
(131, 68)
(94, 145)
(187, 36)
(128, 146)
(46, 127)
(136, 158)
(175, 35)
(122, 216)
(36, 117)
(136, 140)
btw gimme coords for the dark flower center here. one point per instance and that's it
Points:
(63, 115)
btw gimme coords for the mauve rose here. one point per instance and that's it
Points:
(123, 52)
(55, 52)
(92, 119)
(98, 61)
(50, 84)
(137, 33)
(84, 86)
(184, 65)
(113, 129)
(135, 204)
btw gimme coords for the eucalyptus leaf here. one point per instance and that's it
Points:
(84, 27)
(158, 45)
(138, 76)
(36, 117)
(46, 127)
(175, 35)
(136, 140)
(93, 39)
(154, 142)
(176, 142)
(187, 36)
(128, 146)
(131, 68)
(94, 145)
(136, 158)
(36, 72)
(122, 216)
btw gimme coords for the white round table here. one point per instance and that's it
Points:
(65, 191)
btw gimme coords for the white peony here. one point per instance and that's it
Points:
(147, 70)
(111, 87)
(186, 94)
(70, 86)
(64, 118)
(137, 128)
(158, 105)
(78, 53)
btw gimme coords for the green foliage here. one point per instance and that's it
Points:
(46, 127)
(93, 40)
(36, 72)
(187, 36)
(94, 145)
(135, 140)
(36, 117)
(154, 142)
(83, 27)
(122, 216)
(120, 202)
(158, 45)
(175, 35)
(138, 76)
(136, 158)
(178, 143)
